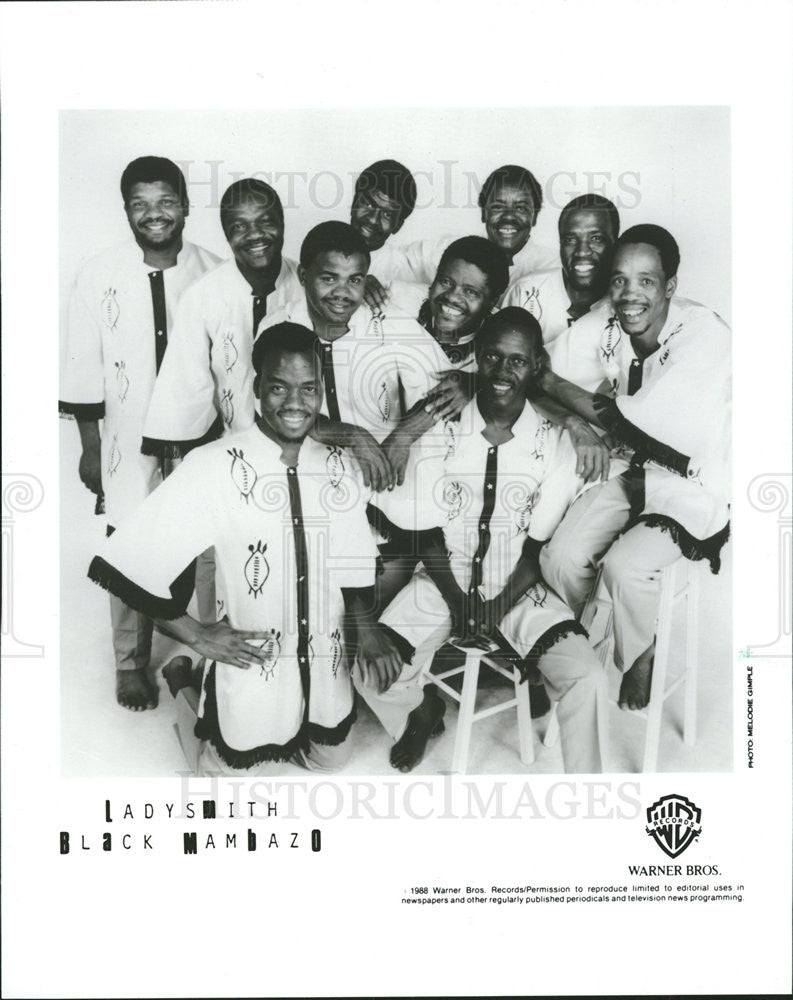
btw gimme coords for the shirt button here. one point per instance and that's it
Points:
(159, 333)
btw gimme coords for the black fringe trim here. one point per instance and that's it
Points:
(178, 449)
(135, 597)
(690, 547)
(81, 411)
(528, 665)
(647, 448)
(208, 728)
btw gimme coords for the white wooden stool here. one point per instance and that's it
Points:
(468, 715)
(659, 691)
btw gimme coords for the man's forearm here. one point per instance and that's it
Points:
(90, 437)
(185, 629)
(573, 398)
(436, 562)
(328, 431)
(525, 574)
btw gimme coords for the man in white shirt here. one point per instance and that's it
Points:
(509, 202)
(588, 228)
(507, 483)
(120, 320)
(471, 277)
(205, 387)
(655, 375)
(384, 197)
(295, 566)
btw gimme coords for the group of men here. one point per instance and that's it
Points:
(387, 446)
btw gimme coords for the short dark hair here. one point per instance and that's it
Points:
(483, 254)
(282, 338)
(332, 236)
(510, 318)
(391, 178)
(596, 202)
(239, 190)
(658, 237)
(147, 170)
(517, 176)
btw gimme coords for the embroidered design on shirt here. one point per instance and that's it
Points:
(610, 341)
(376, 326)
(525, 510)
(384, 402)
(257, 569)
(271, 647)
(453, 498)
(334, 465)
(220, 606)
(243, 474)
(665, 355)
(114, 457)
(450, 438)
(227, 407)
(311, 653)
(532, 303)
(538, 594)
(230, 352)
(336, 651)
(109, 309)
(693, 475)
(540, 439)
(122, 382)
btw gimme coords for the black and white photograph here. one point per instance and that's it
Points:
(400, 538)
(474, 569)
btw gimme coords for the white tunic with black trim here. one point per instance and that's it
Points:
(489, 501)
(205, 386)
(286, 540)
(121, 316)
(372, 376)
(544, 295)
(673, 409)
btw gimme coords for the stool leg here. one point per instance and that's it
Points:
(692, 656)
(660, 665)
(465, 717)
(525, 730)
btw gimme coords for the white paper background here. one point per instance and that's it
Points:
(296, 923)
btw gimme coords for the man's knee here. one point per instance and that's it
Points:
(568, 570)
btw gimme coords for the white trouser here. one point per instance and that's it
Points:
(572, 674)
(632, 564)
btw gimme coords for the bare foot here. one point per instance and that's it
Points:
(635, 686)
(177, 673)
(423, 722)
(135, 691)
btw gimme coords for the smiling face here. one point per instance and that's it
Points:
(376, 217)
(639, 291)
(509, 215)
(156, 215)
(254, 228)
(506, 365)
(586, 243)
(460, 299)
(334, 284)
(290, 394)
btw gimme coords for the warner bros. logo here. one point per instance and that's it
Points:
(674, 823)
